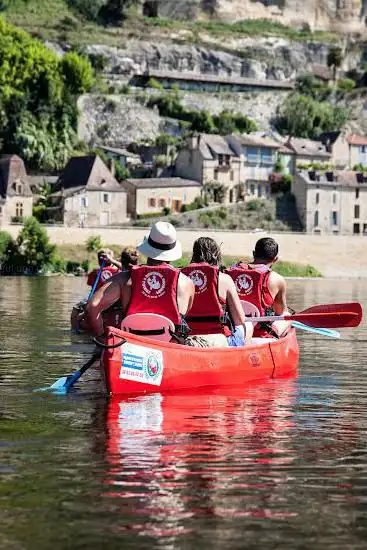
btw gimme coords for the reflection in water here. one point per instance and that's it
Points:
(277, 465)
(188, 450)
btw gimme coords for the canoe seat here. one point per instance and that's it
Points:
(250, 310)
(149, 325)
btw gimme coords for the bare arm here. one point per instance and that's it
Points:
(185, 294)
(280, 300)
(233, 302)
(104, 298)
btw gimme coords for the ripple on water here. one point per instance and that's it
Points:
(277, 465)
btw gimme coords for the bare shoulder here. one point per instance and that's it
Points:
(226, 280)
(185, 281)
(121, 278)
(277, 280)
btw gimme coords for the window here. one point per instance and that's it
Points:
(231, 175)
(84, 202)
(316, 218)
(19, 210)
(1, 210)
(220, 160)
(266, 155)
(334, 198)
(228, 160)
(215, 175)
(252, 189)
(357, 193)
(162, 203)
(334, 218)
(259, 191)
(106, 198)
(152, 203)
(252, 154)
(356, 229)
(362, 149)
(317, 198)
(364, 226)
(20, 189)
(231, 195)
(356, 211)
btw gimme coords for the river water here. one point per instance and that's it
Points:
(277, 465)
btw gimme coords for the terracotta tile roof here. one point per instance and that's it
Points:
(356, 140)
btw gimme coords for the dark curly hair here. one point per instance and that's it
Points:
(206, 250)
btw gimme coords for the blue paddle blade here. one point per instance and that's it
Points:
(322, 331)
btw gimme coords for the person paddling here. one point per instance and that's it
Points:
(109, 266)
(155, 288)
(261, 290)
(215, 293)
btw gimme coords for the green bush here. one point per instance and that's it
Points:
(153, 83)
(93, 243)
(5, 241)
(346, 84)
(254, 205)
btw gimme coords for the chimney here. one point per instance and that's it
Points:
(111, 167)
(194, 142)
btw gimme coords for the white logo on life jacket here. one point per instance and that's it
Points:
(244, 284)
(200, 281)
(106, 274)
(154, 285)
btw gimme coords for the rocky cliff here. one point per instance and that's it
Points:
(343, 15)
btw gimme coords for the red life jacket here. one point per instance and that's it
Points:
(252, 285)
(106, 274)
(154, 290)
(207, 313)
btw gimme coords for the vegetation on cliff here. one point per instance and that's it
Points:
(38, 93)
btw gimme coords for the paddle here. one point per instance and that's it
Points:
(322, 331)
(63, 384)
(326, 316)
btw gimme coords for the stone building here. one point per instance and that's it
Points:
(308, 151)
(16, 199)
(209, 159)
(89, 195)
(151, 195)
(332, 202)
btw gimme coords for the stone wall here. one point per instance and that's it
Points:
(333, 255)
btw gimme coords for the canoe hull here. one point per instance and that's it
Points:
(142, 365)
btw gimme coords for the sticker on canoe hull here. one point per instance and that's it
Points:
(140, 364)
(255, 359)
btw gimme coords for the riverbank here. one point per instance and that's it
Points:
(331, 255)
(78, 253)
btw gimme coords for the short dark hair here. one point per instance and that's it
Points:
(206, 250)
(266, 249)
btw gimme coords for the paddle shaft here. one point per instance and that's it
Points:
(326, 320)
(75, 377)
(93, 289)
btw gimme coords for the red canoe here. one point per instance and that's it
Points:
(143, 365)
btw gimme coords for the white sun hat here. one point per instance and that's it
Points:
(161, 243)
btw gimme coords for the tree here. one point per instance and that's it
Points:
(33, 246)
(305, 117)
(334, 59)
(5, 240)
(77, 72)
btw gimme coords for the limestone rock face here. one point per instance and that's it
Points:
(344, 15)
